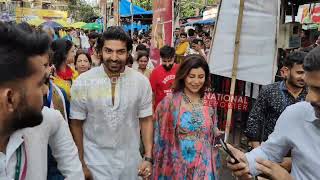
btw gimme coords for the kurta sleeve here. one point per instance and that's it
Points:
(63, 147)
(78, 108)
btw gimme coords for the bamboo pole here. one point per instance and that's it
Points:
(105, 15)
(234, 67)
(213, 34)
(116, 12)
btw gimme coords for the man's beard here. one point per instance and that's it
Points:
(167, 68)
(25, 116)
(292, 83)
(114, 66)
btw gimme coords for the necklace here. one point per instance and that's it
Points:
(197, 115)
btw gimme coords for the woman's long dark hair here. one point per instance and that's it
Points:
(60, 49)
(193, 61)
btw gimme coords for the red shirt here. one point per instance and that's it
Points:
(90, 51)
(161, 82)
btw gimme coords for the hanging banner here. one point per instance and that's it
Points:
(26, 14)
(162, 28)
(258, 48)
(309, 13)
(210, 13)
(225, 101)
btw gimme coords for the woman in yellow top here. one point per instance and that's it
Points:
(63, 55)
(182, 47)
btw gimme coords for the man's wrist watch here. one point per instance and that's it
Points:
(149, 159)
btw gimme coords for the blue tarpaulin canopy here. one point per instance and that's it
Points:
(204, 22)
(135, 26)
(125, 9)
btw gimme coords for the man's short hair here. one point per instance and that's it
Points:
(17, 46)
(93, 35)
(198, 41)
(141, 47)
(167, 52)
(114, 33)
(183, 34)
(312, 60)
(293, 58)
(191, 32)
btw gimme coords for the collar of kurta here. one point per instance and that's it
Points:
(121, 74)
(16, 140)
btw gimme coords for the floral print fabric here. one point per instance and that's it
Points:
(183, 147)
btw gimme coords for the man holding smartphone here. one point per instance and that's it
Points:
(297, 129)
(273, 100)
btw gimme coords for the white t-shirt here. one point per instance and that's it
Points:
(111, 133)
(84, 41)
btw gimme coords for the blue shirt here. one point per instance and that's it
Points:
(298, 130)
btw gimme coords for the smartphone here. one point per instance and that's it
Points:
(227, 150)
(217, 140)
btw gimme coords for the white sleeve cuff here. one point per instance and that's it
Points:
(77, 115)
(145, 112)
(251, 158)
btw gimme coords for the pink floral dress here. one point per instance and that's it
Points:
(183, 146)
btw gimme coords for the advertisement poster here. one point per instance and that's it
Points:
(26, 14)
(258, 47)
(309, 13)
(162, 32)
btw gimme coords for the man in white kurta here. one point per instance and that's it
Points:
(111, 133)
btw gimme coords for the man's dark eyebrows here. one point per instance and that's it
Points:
(124, 49)
(107, 48)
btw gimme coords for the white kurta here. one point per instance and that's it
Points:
(111, 132)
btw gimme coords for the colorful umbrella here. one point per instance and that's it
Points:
(5, 17)
(92, 26)
(51, 24)
(36, 22)
(62, 22)
(78, 24)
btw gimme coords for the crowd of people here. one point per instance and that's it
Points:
(102, 110)
(110, 107)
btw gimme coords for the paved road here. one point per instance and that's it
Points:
(225, 173)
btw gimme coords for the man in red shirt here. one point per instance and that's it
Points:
(162, 77)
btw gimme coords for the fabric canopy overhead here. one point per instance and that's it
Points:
(125, 9)
(135, 26)
(203, 22)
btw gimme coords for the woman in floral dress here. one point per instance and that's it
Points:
(185, 127)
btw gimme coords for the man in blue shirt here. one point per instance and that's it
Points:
(297, 129)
